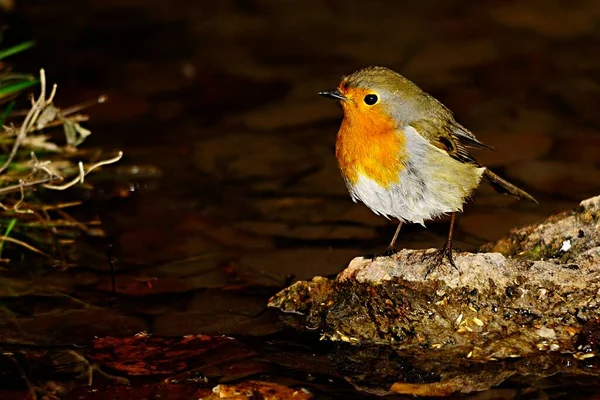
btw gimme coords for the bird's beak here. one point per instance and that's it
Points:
(333, 94)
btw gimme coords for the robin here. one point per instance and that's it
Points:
(402, 153)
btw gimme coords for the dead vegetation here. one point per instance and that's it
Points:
(41, 156)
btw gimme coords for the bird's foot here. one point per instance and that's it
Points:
(390, 251)
(436, 259)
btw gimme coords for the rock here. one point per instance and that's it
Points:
(546, 240)
(528, 298)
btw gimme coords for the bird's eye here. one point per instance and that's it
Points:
(371, 99)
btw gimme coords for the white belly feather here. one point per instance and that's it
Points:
(432, 184)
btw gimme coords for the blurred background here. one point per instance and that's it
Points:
(229, 178)
(232, 152)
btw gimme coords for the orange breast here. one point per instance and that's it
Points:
(369, 144)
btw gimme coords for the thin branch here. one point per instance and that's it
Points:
(72, 221)
(79, 107)
(83, 173)
(52, 94)
(21, 199)
(23, 244)
(61, 205)
(36, 108)
(25, 185)
(74, 118)
(67, 111)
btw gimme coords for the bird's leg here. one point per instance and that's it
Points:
(392, 246)
(445, 251)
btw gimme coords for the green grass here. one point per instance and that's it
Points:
(9, 228)
(17, 87)
(6, 112)
(15, 83)
(16, 49)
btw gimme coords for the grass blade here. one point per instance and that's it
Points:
(17, 87)
(16, 49)
(5, 114)
(9, 228)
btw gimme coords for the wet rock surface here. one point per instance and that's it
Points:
(533, 298)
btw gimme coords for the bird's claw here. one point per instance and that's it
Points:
(390, 251)
(437, 258)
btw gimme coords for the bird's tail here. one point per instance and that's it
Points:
(507, 187)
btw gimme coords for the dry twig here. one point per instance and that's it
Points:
(21, 178)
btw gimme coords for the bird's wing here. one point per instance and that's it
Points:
(442, 135)
(467, 138)
(452, 138)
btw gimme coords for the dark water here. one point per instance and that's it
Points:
(229, 188)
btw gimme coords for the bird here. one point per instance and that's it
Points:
(402, 153)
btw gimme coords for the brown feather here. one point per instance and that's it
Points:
(507, 187)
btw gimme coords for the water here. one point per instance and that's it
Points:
(229, 189)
